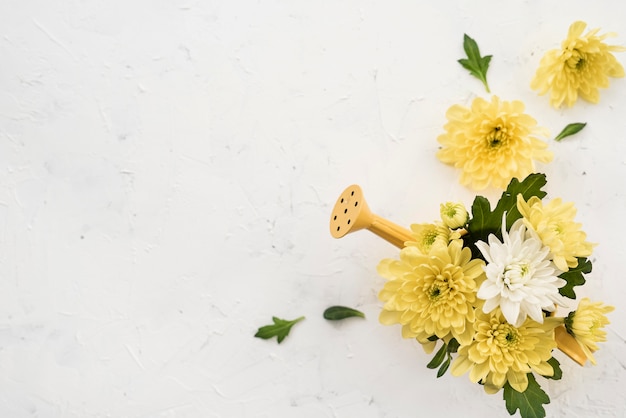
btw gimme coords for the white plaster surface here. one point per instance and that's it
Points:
(167, 171)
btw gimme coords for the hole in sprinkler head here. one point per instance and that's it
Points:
(335, 218)
(342, 200)
(356, 203)
(348, 221)
(338, 228)
(345, 211)
(352, 194)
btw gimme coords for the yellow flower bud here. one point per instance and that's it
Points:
(587, 324)
(453, 215)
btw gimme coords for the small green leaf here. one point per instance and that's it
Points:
(571, 129)
(556, 366)
(438, 359)
(575, 277)
(453, 346)
(445, 352)
(444, 367)
(280, 329)
(528, 402)
(341, 312)
(474, 63)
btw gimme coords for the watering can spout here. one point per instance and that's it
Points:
(351, 213)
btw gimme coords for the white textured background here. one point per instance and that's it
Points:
(167, 171)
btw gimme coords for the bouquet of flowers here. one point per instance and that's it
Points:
(486, 287)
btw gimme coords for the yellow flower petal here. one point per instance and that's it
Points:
(460, 366)
(389, 317)
(519, 381)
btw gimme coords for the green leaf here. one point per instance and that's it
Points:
(571, 129)
(438, 359)
(444, 367)
(280, 329)
(446, 351)
(556, 366)
(528, 402)
(529, 187)
(453, 346)
(574, 277)
(481, 216)
(486, 221)
(341, 312)
(474, 63)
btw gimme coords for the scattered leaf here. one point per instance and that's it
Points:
(474, 63)
(280, 329)
(335, 313)
(571, 129)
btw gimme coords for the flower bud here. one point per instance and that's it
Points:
(453, 215)
(587, 324)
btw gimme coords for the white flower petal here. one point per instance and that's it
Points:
(491, 304)
(488, 290)
(534, 311)
(510, 310)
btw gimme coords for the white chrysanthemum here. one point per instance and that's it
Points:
(521, 278)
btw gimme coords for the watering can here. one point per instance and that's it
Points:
(351, 213)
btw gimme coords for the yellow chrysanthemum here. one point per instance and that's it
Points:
(502, 353)
(431, 294)
(582, 65)
(586, 324)
(427, 235)
(492, 142)
(554, 223)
